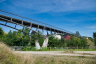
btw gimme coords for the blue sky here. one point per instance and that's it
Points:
(71, 15)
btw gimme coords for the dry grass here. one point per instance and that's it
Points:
(64, 60)
(8, 57)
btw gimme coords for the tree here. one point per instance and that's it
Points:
(90, 38)
(94, 36)
(1, 32)
(83, 42)
(78, 34)
(25, 39)
(9, 38)
(53, 42)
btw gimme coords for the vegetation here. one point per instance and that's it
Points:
(90, 38)
(94, 36)
(34, 49)
(18, 38)
(8, 57)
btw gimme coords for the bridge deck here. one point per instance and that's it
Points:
(29, 24)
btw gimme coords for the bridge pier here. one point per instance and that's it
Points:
(37, 44)
(45, 43)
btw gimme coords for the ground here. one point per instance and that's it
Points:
(60, 57)
(75, 53)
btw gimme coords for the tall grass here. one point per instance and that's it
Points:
(8, 57)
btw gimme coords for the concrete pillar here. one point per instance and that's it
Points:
(50, 32)
(45, 43)
(37, 28)
(22, 22)
(37, 44)
(43, 30)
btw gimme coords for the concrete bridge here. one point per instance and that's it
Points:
(48, 28)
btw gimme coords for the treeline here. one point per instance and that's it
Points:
(73, 42)
(18, 38)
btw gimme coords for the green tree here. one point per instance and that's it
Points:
(90, 38)
(1, 33)
(9, 38)
(83, 42)
(94, 36)
(53, 42)
(78, 34)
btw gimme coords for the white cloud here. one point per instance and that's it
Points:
(92, 27)
(57, 5)
(2, 0)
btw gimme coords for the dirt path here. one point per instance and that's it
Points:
(76, 53)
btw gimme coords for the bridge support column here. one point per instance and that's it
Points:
(37, 44)
(50, 32)
(37, 28)
(43, 30)
(30, 36)
(45, 43)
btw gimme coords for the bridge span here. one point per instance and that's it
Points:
(30, 25)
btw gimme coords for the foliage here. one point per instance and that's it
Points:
(18, 38)
(90, 38)
(53, 42)
(94, 36)
(1, 33)
(34, 49)
(77, 33)
(29, 49)
(95, 40)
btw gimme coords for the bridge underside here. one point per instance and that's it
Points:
(30, 25)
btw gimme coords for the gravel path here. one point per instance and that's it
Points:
(76, 53)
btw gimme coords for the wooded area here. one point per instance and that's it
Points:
(18, 38)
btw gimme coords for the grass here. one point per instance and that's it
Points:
(9, 57)
(84, 50)
(75, 50)
(65, 60)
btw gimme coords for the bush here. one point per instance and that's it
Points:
(34, 49)
(44, 49)
(29, 49)
(26, 49)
